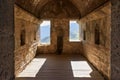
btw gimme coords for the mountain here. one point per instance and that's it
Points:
(74, 35)
(46, 40)
(45, 33)
(74, 31)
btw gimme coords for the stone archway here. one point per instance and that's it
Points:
(7, 40)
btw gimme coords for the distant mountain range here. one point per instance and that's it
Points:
(46, 38)
(72, 37)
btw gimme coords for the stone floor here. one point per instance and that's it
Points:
(60, 67)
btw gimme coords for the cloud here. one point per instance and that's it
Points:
(45, 23)
(73, 22)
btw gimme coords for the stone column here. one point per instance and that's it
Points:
(115, 40)
(6, 39)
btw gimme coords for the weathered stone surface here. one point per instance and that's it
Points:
(24, 53)
(84, 7)
(115, 40)
(24, 15)
(6, 40)
(59, 10)
(98, 54)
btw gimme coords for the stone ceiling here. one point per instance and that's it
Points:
(44, 9)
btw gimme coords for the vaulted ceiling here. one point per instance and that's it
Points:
(59, 8)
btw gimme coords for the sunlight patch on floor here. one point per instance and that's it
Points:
(33, 68)
(81, 69)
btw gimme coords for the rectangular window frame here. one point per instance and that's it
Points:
(44, 44)
(70, 40)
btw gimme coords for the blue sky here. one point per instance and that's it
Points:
(74, 31)
(74, 27)
(45, 30)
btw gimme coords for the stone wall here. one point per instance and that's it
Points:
(6, 40)
(26, 39)
(98, 51)
(59, 28)
(115, 40)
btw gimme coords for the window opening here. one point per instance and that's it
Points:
(74, 32)
(45, 32)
